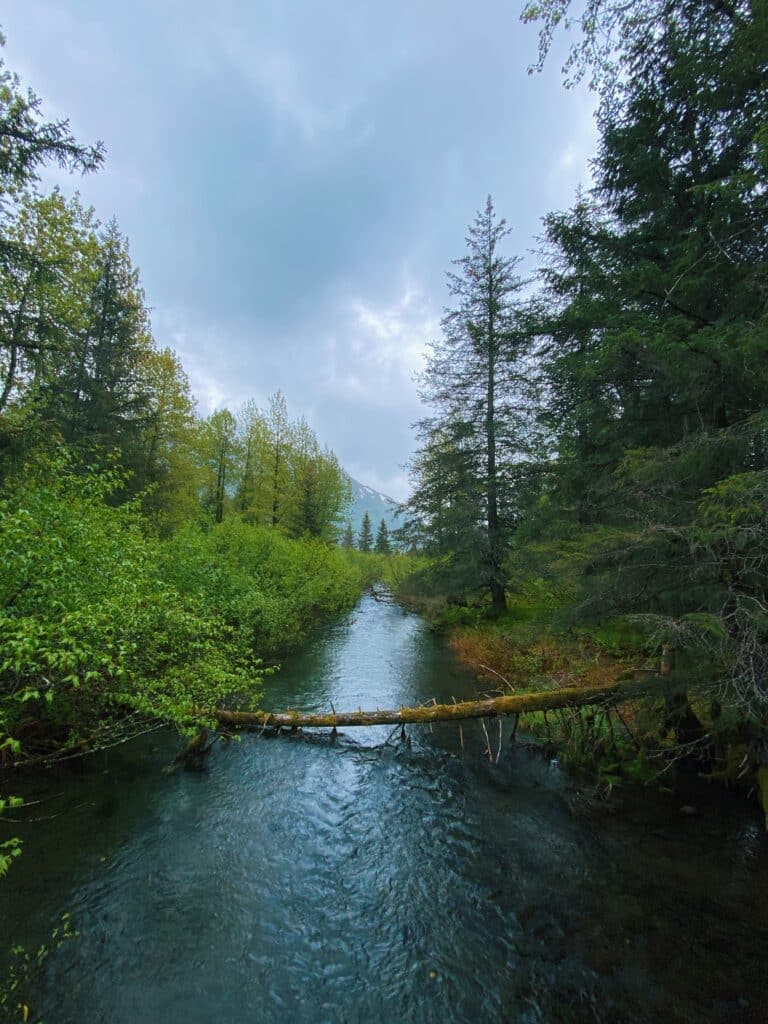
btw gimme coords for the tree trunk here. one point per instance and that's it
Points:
(511, 704)
(220, 481)
(18, 323)
(498, 597)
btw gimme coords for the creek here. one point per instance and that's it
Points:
(305, 879)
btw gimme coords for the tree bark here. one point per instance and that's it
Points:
(498, 596)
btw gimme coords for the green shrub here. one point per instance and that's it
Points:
(91, 625)
(269, 590)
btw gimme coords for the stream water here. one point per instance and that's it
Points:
(307, 880)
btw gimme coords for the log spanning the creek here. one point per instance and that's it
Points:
(490, 707)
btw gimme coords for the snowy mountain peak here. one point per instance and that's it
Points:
(367, 499)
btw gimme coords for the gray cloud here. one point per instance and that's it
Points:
(295, 180)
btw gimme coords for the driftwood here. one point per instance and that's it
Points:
(491, 707)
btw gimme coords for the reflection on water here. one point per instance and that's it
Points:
(302, 879)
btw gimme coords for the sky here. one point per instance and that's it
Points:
(295, 179)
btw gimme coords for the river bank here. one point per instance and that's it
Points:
(106, 626)
(657, 741)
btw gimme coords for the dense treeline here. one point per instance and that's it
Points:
(604, 444)
(153, 560)
(81, 368)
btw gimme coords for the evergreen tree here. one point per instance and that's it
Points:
(348, 537)
(656, 303)
(365, 539)
(320, 488)
(382, 546)
(44, 292)
(96, 391)
(476, 380)
(657, 323)
(27, 142)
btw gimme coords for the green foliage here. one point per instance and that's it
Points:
(268, 589)
(99, 619)
(91, 627)
(656, 333)
(382, 546)
(270, 471)
(10, 849)
(24, 971)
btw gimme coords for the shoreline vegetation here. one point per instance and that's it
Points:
(665, 733)
(590, 484)
(593, 461)
(108, 626)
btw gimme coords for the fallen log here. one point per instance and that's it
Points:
(490, 707)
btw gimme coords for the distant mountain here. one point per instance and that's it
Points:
(378, 506)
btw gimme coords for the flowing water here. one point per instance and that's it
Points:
(302, 879)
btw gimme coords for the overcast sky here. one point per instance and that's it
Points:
(295, 178)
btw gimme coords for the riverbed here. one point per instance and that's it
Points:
(366, 878)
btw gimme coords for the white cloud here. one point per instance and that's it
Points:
(381, 348)
(207, 361)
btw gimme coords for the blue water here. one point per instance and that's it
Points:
(302, 879)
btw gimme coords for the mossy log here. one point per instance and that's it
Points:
(491, 707)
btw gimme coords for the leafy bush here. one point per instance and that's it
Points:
(101, 622)
(90, 624)
(269, 590)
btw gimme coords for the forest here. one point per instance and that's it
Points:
(589, 493)
(593, 471)
(584, 546)
(154, 560)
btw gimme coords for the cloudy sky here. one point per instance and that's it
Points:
(295, 178)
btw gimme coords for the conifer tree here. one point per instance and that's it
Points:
(96, 389)
(365, 540)
(476, 381)
(348, 538)
(657, 332)
(382, 546)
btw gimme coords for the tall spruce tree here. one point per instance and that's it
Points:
(93, 386)
(476, 381)
(348, 537)
(365, 540)
(382, 545)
